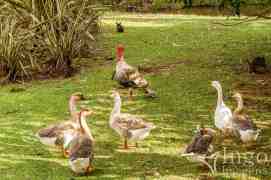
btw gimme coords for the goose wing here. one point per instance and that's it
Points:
(130, 76)
(49, 132)
(223, 116)
(191, 147)
(53, 130)
(138, 79)
(130, 122)
(200, 144)
(81, 147)
(244, 122)
(224, 112)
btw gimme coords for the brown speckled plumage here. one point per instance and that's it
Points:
(54, 134)
(81, 147)
(129, 76)
(200, 143)
(81, 152)
(243, 122)
(128, 126)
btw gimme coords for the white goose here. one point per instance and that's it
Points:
(59, 134)
(81, 152)
(223, 114)
(128, 126)
(243, 125)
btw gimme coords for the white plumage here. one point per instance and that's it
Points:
(223, 117)
(79, 165)
(223, 114)
(248, 135)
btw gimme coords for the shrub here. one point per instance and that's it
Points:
(67, 35)
(46, 36)
(14, 60)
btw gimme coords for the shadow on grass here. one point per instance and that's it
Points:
(33, 168)
(115, 163)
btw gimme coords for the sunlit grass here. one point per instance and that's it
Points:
(206, 51)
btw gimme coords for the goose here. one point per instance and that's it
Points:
(244, 127)
(200, 149)
(81, 152)
(53, 135)
(128, 126)
(223, 113)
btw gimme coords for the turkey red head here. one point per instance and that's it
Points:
(120, 52)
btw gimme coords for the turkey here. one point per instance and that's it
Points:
(128, 76)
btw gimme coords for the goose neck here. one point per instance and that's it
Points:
(84, 127)
(116, 108)
(72, 105)
(219, 95)
(240, 106)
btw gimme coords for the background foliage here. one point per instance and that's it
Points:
(158, 5)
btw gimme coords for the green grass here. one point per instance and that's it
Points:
(204, 52)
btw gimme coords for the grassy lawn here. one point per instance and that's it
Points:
(186, 53)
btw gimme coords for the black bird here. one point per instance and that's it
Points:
(120, 27)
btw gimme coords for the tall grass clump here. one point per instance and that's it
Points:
(67, 35)
(14, 60)
(59, 32)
